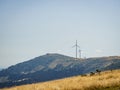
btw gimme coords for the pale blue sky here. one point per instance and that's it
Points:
(30, 28)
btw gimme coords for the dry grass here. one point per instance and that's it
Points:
(106, 81)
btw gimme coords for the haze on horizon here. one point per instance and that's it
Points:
(30, 28)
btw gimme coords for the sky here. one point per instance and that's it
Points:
(31, 28)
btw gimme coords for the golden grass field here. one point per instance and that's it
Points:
(108, 80)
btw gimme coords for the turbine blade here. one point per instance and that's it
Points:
(74, 46)
(78, 46)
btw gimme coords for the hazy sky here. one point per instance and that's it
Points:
(30, 28)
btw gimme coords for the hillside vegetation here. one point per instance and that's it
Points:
(53, 66)
(108, 80)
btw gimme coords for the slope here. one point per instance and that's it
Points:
(108, 80)
(53, 66)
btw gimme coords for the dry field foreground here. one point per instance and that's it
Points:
(105, 81)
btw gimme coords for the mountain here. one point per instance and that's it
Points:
(54, 66)
(107, 80)
(1, 69)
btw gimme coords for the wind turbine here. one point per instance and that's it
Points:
(76, 45)
(79, 53)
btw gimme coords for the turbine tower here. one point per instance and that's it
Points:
(76, 45)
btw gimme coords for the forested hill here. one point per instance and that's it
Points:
(54, 66)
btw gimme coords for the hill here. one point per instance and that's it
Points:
(1, 69)
(53, 66)
(108, 80)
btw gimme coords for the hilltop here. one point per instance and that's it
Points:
(108, 80)
(54, 66)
